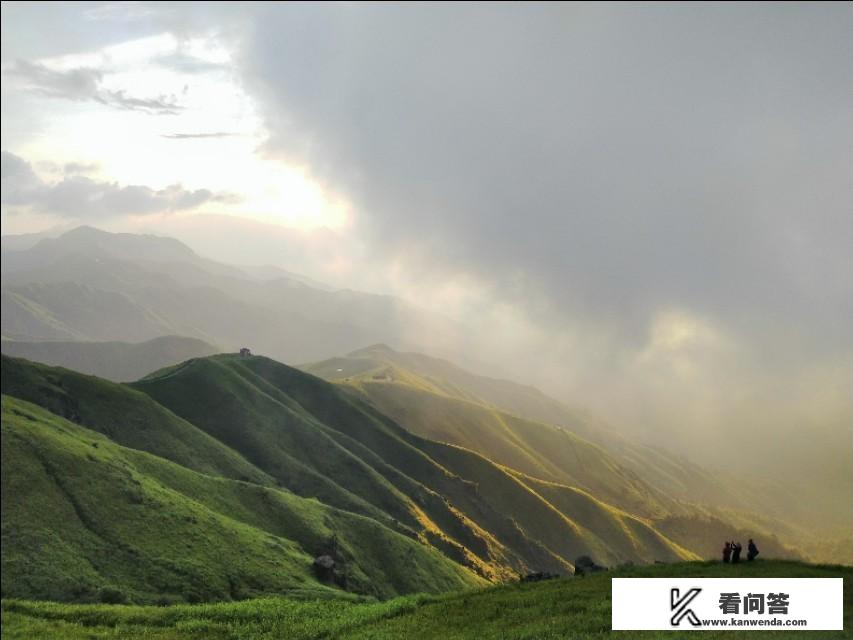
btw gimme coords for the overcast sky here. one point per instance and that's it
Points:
(645, 209)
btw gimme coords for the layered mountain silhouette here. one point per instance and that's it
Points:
(90, 285)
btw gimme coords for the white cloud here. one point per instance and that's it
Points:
(78, 197)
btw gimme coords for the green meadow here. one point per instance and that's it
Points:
(562, 608)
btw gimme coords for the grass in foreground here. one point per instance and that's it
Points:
(566, 608)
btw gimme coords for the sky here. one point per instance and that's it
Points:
(645, 209)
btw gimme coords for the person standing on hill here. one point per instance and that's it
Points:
(736, 549)
(751, 551)
(727, 552)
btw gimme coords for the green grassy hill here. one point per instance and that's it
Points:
(474, 509)
(128, 417)
(268, 452)
(370, 368)
(538, 449)
(194, 429)
(554, 609)
(85, 518)
(117, 361)
(523, 429)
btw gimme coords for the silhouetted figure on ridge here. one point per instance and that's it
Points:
(727, 552)
(751, 551)
(736, 549)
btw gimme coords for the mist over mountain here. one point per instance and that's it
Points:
(117, 361)
(92, 285)
(521, 427)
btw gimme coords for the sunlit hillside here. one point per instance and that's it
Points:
(507, 423)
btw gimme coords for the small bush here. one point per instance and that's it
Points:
(113, 596)
(168, 600)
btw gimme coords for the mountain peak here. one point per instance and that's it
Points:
(133, 245)
(86, 231)
(378, 349)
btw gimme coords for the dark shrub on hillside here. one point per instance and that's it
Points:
(113, 596)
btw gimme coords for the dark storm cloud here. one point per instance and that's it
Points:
(613, 160)
(84, 84)
(79, 197)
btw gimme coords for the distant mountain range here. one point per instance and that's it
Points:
(116, 361)
(90, 285)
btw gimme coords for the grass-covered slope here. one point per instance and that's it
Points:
(555, 609)
(520, 427)
(621, 533)
(373, 368)
(234, 430)
(126, 416)
(318, 442)
(86, 519)
(117, 361)
(538, 449)
(476, 511)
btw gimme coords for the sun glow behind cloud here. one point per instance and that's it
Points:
(206, 138)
